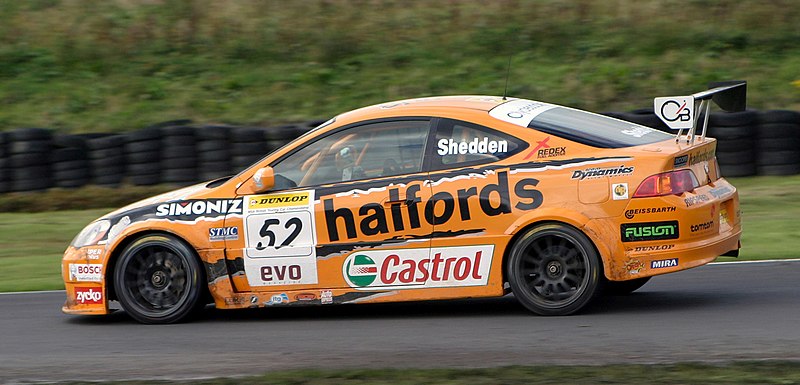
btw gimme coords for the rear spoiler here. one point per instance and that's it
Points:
(679, 112)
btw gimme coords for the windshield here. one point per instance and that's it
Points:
(593, 129)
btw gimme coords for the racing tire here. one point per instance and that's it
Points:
(778, 169)
(554, 270)
(159, 280)
(144, 179)
(779, 116)
(742, 169)
(623, 287)
(732, 119)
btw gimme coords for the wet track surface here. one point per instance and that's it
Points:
(714, 313)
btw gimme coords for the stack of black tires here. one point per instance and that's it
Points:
(247, 146)
(5, 164)
(143, 155)
(29, 157)
(213, 151)
(70, 161)
(736, 141)
(107, 160)
(178, 155)
(778, 143)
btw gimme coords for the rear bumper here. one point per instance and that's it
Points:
(707, 225)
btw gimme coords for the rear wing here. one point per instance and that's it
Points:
(682, 112)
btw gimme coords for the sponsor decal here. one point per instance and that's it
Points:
(89, 295)
(681, 161)
(695, 199)
(372, 219)
(236, 300)
(194, 209)
(419, 268)
(719, 192)
(662, 263)
(476, 146)
(634, 266)
(543, 150)
(675, 111)
(94, 253)
(280, 239)
(84, 272)
(637, 131)
(326, 297)
(305, 297)
(649, 231)
(630, 214)
(274, 201)
(701, 157)
(123, 223)
(281, 274)
(723, 215)
(702, 226)
(277, 299)
(597, 172)
(216, 234)
(519, 111)
(639, 249)
(619, 191)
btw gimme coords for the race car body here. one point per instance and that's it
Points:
(422, 199)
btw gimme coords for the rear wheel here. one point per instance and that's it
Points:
(624, 287)
(158, 280)
(554, 270)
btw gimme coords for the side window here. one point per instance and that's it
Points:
(463, 144)
(367, 151)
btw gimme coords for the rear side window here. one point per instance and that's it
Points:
(461, 144)
(593, 129)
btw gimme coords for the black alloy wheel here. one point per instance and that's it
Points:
(554, 269)
(158, 279)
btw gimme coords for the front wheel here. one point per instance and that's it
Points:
(554, 269)
(158, 280)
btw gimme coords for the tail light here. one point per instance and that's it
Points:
(673, 182)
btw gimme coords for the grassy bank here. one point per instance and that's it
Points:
(89, 66)
(33, 242)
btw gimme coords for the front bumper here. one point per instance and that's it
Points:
(83, 271)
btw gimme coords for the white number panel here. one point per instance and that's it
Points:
(280, 239)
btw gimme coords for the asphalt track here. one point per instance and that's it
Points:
(715, 313)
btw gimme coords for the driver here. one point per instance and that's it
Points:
(346, 164)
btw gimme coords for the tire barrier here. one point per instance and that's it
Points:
(29, 151)
(778, 138)
(179, 152)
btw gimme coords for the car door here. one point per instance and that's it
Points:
(472, 201)
(347, 211)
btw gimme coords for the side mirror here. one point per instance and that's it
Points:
(263, 180)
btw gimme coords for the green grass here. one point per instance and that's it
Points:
(32, 242)
(770, 206)
(737, 373)
(116, 65)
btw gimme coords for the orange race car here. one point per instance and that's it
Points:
(422, 199)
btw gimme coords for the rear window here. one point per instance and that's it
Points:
(593, 129)
(576, 125)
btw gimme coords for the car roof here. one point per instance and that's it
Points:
(411, 107)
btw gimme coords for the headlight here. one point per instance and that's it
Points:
(91, 234)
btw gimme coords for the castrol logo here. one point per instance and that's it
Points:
(417, 268)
